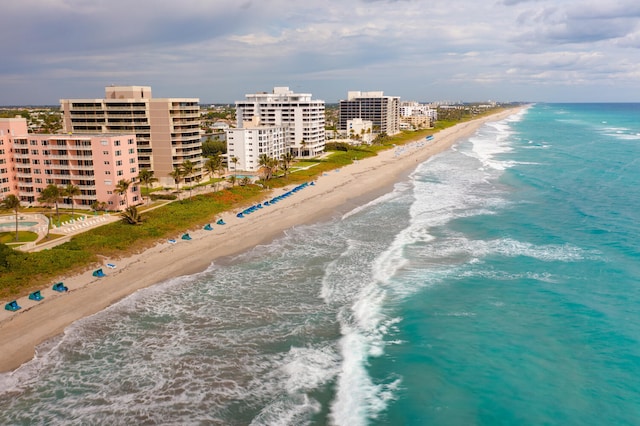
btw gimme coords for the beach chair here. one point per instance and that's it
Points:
(220, 222)
(208, 227)
(99, 273)
(12, 306)
(172, 241)
(186, 236)
(36, 296)
(60, 287)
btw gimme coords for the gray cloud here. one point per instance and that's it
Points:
(417, 49)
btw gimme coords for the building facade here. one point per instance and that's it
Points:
(417, 115)
(382, 111)
(167, 129)
(300, 116)
(359, 129)
(94, 163)
(248, 143)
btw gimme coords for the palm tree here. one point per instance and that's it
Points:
(264, 161)
(131, 216)
(50, 195)
(11, 202)
(187, 170)
(303, 145)
(122, 188)
(285, 160)
(213, 166)
(146, 177)
(177, 175)
(234, 160)
(71, 191)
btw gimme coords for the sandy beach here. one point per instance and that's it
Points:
(333, 193)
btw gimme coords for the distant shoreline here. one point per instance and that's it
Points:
(332, 192)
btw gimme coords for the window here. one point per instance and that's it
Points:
(116, 143)
(107, 182)
(119, 163)
(118, 153)
(105, 152)
(38, 180)
(132, 170)
(106, 163)
(120, 172)
(34, 161)
(104, 142)
(132, 160)
(107, 172)
(130, 141)
(131, 150)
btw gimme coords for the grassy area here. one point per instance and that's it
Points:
(23, 237)
(24, 272)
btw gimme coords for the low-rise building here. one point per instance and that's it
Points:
(248, 143)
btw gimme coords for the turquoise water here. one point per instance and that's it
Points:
(20, 224)
(497, 285)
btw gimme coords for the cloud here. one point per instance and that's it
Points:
(218, 51)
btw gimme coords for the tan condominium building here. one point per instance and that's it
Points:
(167, 130)
(301, 117)
(383, 111)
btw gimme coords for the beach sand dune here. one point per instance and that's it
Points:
(333, 193)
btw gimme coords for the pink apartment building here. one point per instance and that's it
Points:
(93, 162)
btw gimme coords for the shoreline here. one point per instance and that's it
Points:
(333, 193)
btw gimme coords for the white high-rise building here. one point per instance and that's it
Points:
(301, 117)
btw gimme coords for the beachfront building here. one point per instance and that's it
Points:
(94, 163)
(301, 117)
(382, 111)
(417, 116)
(167, 130)
(249, 142)
(360, 130)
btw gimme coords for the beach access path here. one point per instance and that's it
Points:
(333, 193)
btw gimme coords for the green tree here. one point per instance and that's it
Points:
(268, 166)
(188, 169)
(235, 161)
(146, 177)
(285, 161)
(122, 188)
(71, 191)
(11, 202)
(50, 195)
(213, 165)
(177, 174)
(303, 146)
(131, 216)
(211, 147)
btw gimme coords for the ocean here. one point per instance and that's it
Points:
(497, 285)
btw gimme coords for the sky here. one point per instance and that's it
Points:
(421, 50)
